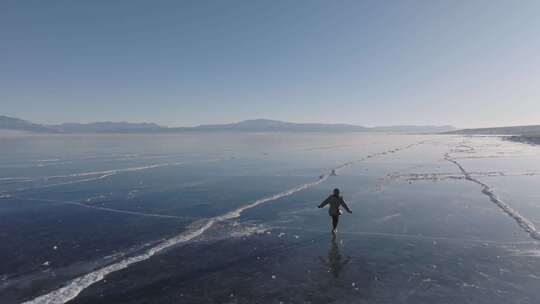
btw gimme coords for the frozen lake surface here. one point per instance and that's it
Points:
(232, 218)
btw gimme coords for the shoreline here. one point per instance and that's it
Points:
(524, 139)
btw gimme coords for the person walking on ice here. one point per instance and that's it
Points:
(335, 201)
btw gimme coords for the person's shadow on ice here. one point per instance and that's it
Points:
(335, 262)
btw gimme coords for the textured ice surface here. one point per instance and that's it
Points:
(433, 220)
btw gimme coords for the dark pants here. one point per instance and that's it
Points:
(335, 220)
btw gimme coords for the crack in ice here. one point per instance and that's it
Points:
(522, 221)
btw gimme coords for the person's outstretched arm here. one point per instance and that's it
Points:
(345, 206)
(326, 201)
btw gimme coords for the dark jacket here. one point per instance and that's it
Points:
(335, 202)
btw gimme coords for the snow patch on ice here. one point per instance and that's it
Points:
(388, 217)
(527, 253)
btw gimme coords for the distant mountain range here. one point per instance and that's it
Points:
(10, 123)
(266, 125)
(107, 126)
(256, 125)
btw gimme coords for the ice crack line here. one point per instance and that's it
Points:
(523, 222)
(77, 285)
(407, 236)
(445, 176)
(113, 171)
(90, 176)
(109, 209)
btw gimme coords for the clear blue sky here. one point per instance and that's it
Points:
(466, 63)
